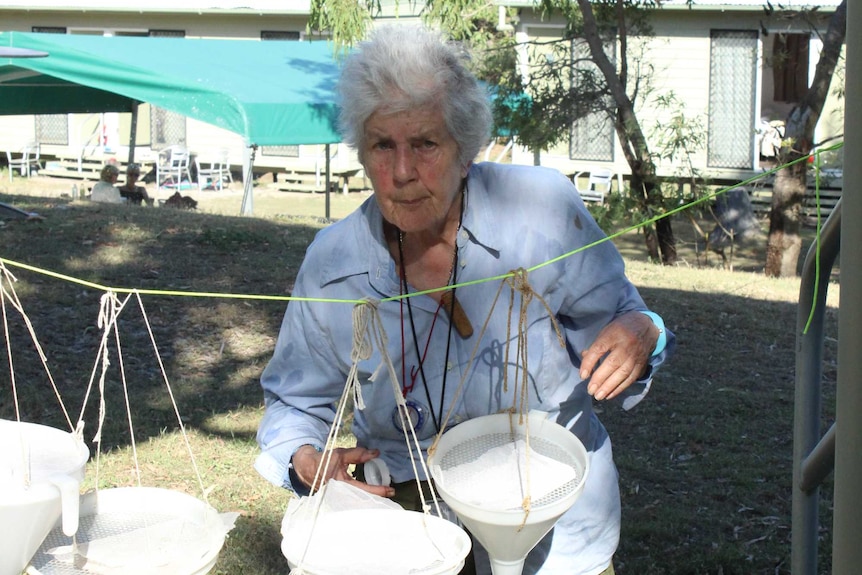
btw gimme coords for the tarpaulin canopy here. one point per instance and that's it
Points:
(269, 92)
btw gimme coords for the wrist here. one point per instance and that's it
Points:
(301, 453)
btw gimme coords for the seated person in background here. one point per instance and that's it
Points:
(133, 193)
(104, 190)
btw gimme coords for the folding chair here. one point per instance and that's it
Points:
(28, 160)
(215, 175)
(598, 184)
(173, 163)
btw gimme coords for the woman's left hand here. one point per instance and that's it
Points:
(619, 355)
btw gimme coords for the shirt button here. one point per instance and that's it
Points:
(464, 234)
(462, 263)
(449, 366)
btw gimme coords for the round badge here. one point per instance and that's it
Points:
(415, 411)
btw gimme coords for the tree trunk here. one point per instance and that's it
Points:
(632, 139)
(785, 220)
(784, 244)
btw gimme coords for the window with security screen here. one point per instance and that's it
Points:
(592, 136)
(732, 93)
(52, 129)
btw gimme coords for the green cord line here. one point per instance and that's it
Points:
(647, 222)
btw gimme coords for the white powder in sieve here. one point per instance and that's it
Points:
(498, 479)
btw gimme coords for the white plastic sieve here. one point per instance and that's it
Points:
(504, 528)
(136, 531)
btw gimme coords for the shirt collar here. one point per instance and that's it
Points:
(365, 252)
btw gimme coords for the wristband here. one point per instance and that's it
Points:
(661, 342)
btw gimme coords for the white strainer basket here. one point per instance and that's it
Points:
(506, 531)
(135, 531)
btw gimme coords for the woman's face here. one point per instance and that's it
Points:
(412, 162)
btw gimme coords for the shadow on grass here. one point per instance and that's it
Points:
(705, 460)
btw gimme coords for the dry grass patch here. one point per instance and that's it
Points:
(704, 461)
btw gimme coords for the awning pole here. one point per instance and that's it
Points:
(247, 181)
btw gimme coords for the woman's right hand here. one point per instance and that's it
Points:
(307, 459)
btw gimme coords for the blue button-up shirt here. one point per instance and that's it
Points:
(515, 217)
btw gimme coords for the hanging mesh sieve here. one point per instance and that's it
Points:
(508, 481)
(135, 531)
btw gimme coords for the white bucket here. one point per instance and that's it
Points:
(40, 473)
(135, 531)
(508, 534)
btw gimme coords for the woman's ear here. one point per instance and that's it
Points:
(466, 168)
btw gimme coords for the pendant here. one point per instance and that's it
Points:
(416, 412)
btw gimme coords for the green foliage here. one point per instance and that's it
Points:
(677, 139)
(345, 20)
(470, 20)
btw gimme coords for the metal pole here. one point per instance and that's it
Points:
(847, 519)
(813, 289)
(247, 208)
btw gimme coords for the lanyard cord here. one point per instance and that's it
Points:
(419, 355)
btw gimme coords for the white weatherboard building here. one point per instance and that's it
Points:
(733, 68)
(718, 57)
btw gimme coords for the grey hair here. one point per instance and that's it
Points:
(403, 67)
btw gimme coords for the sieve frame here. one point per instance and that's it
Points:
(543, 432)
(129, 500)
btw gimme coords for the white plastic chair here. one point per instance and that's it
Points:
(28, 160)
(217, 172)
(598, 184)
(173, 163)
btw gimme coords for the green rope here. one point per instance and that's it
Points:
(500, 277)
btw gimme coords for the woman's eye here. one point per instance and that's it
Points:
(382, 145)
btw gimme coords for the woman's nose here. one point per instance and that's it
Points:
(405, 164)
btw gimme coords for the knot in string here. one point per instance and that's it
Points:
(363, 316)
(520, 282)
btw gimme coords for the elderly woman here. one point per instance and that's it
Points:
(105, 190)
(417, 118)
(134, 193)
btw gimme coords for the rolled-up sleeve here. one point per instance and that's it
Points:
(301, 384)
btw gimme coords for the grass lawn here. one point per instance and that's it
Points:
(704, 461)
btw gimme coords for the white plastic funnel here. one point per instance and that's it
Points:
(507, 532)
(40, 473)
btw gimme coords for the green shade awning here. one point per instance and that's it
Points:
(269, 92)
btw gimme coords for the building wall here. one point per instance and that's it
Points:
(679, 57)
